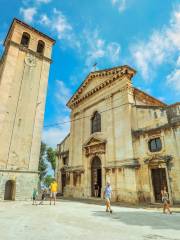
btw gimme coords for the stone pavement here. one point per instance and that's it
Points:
(75, 220)
(99, 201)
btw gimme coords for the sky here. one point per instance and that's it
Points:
(144, 34)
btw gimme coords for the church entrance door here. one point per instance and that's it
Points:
(96, 177)
(10, 190)
(159, 181)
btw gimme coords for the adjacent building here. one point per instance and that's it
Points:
(24, 69)
(123, 135)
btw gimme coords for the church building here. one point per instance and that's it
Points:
(24, 70)
(123, 135)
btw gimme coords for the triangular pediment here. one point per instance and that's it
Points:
(97, 80)
(94, 141)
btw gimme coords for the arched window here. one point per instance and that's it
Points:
(96, 123)
(155, 145)
(40, 47)
(25, 39)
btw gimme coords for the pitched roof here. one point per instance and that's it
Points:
(148, 98)
(104, 72)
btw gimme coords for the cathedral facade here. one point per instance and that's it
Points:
(123, 135)
(24, 70)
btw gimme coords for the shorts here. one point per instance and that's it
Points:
(34, 198)
(53, 194)
(108, 199)
(165, 200)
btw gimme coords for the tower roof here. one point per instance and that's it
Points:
(15, 20)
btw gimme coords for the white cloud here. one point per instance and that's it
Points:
(43, 1)
(120, 4)
(173, 80)
(62, 92)
(45, 20)
(162, 99)
(99, 50)
(162, 46)
(59, 24)
(54, 135)
(88, 44)
(178, 62)
(28, 14)
(113, 52)
(34, 2)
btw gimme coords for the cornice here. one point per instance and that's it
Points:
(167, 126)
(147, 98)
(127, 163)
(27, 50)
(18, 171)
(97, 88)
(75, 169)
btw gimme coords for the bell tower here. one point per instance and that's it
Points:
(24, 70)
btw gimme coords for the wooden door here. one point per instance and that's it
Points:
(99, 181)
(9, 190)
(159, 181)
(96, 175)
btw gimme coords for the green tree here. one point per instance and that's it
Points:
(48, 180)
(51, 157)
(42, 164)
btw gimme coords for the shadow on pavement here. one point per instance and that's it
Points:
(156, 220)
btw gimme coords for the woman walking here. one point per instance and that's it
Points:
(165, 200)
(107, 196)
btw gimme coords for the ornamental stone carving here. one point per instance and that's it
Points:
(95, 146)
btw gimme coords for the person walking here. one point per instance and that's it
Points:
(107, 196)
(96, 190)
(43, 196)
(53, 189)
(165, 200)
(34, 195)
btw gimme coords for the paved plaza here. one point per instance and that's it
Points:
(74, 220)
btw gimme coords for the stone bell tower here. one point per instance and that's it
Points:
(24, 70)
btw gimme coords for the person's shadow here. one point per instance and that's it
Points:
(138, 217)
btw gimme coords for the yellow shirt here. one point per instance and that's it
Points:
(53, 187)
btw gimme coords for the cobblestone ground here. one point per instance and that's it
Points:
(74, 220)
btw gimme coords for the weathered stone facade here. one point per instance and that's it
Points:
(24, 69)
(132, 124)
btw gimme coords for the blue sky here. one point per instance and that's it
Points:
(144, 34)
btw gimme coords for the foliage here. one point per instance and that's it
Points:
(42, 164)
(48, 180)
(51, 157)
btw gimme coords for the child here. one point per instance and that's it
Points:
(43, 197)
(34, 195)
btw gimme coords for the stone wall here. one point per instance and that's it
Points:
(129, 119)
(24, 184)
(23, 86)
